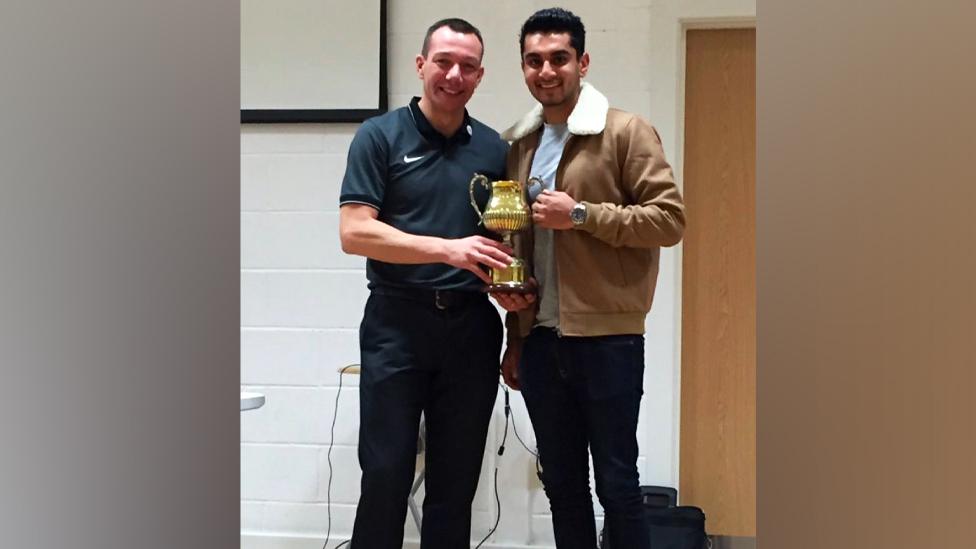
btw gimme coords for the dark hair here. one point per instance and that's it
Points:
(456, 25)
(555, 20)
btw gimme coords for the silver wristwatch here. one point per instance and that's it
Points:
(578, 214)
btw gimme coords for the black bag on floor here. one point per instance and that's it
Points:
(669, 527)
(681, 527)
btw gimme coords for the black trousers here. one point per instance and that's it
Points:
(583, 395)
(431, 353)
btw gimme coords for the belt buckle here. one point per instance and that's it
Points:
(437, 300)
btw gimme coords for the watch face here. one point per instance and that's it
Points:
(578, 214)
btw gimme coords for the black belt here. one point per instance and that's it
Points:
(441, 299)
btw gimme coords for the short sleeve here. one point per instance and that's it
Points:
(366, 168)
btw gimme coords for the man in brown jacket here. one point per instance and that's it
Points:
(576, 351)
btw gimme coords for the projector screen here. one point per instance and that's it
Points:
(312, 60)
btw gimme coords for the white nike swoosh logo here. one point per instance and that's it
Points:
(409, 159)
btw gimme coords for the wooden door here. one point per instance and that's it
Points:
(718, 348)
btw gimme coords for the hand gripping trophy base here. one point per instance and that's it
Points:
(510, 280)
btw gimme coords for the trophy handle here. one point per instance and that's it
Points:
(478, 178)
(532, 181)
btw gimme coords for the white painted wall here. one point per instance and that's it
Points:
(302, 298)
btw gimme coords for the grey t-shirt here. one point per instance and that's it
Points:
(544, 164)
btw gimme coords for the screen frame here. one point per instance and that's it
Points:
(339, 116)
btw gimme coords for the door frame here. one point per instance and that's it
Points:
(684, 25)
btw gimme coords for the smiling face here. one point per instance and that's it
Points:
(451, 71)
(553, 73)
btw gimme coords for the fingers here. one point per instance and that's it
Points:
(473, 252)
(510, 362)
(497, 253)
(541, 213)
(551, 213)
(540, 206)
(479, 273)
(494, 244)
(513, 302)
(491, 253)
(494, 261)
(510, 372)
(544, 221)
(511, 380)
(548, 196)
(538, 212)
(522, 301)
(504, 300)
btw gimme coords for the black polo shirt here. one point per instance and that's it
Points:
(418, 181)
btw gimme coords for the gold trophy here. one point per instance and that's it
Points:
(507, 213)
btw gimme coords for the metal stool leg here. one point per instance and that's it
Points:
(421, 447)
(414, 508)
(419, 480)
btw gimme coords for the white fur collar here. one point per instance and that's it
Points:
(589, 117)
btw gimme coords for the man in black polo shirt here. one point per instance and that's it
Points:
(430, 340)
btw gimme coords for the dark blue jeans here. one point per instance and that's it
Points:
(583, 393)
(418, 357)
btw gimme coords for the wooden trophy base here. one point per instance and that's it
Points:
(511, 280)
(511, 288)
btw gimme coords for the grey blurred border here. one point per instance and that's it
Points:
(865, 192)
(119, 274)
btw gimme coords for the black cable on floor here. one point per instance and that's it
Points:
(498, 516)
(328, 490)
(501, 450)
(522, 442)
(538, 470)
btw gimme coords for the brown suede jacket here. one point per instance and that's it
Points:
(607, 267)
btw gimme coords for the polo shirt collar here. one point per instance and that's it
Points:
(434, 137)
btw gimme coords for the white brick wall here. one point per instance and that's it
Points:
(302, 298)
